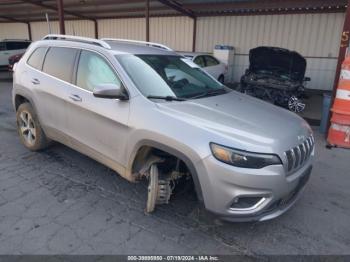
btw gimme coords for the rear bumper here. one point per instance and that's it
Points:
(223, 185)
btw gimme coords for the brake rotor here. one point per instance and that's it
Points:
(159, 190)
(295, 104)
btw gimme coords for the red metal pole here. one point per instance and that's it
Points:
(147, 20)
(344, 44)
(61, 16)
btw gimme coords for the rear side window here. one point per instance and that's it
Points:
(199, 60)
(59, 62)
(37, 57)
(211, 61)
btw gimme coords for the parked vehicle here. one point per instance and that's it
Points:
(276, 75)
(209, 64)
(10, 47)
(118, 102)
(13, 60)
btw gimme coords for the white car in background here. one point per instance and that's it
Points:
(11, 47)
(208, 63)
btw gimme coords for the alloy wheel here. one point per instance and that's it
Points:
(27, 127)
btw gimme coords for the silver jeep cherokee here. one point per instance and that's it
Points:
(147, 112)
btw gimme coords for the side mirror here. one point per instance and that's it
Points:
(307, 79)
(110, 91)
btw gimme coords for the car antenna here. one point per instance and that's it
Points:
(48, 22)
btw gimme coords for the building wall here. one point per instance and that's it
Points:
(129, 28)
(76, 27)
(13, 31)
(315, 36)
(175, 32)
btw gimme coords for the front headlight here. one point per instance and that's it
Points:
(243, 159)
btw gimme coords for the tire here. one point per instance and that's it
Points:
(29, 129)
(221, 79)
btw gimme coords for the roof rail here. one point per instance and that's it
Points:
(138, 42)
(77, 39)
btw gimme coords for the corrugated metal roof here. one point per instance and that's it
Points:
(34, 10)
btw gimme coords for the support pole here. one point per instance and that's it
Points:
(61, 16)
(194, 34)
(96, 29)
(29, 31)
(344, 44)
(147, 20)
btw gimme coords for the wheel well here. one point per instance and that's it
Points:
(169, 162)
(20, 100)
(173, 158)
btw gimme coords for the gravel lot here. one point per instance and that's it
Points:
(61, 202)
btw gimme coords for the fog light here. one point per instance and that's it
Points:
(246, 202)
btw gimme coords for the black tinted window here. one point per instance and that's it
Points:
(59, 62)
(211, 61)
(199, 60)
(37, 57)
(2, 46)
(17, 45)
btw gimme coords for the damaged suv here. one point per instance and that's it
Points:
(148, 113)
(276, 75)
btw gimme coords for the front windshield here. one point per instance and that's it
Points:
(161, 75)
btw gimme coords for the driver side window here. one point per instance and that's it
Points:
(94, 70)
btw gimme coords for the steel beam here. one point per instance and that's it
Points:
(56, 9)
(194, 36)
(275, 5)
(96, 28)
(61, 16)
(147, 19)
(11, 19)
(29, 31)
(178, 7)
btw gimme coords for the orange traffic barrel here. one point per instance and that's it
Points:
(339, 132)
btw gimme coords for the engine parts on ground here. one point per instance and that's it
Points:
(276, 75)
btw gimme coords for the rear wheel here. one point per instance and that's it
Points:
(31, 134)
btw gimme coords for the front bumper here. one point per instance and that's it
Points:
(275, 192)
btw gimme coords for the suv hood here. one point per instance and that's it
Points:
(278, 61)
(244, 120)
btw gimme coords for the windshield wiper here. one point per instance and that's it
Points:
(210, 92)
(167, 98)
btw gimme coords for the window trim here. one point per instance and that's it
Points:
(79, 50)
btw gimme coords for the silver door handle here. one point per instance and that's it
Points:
(75, 98)
(35, 81)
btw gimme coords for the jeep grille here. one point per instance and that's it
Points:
(298, 155)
